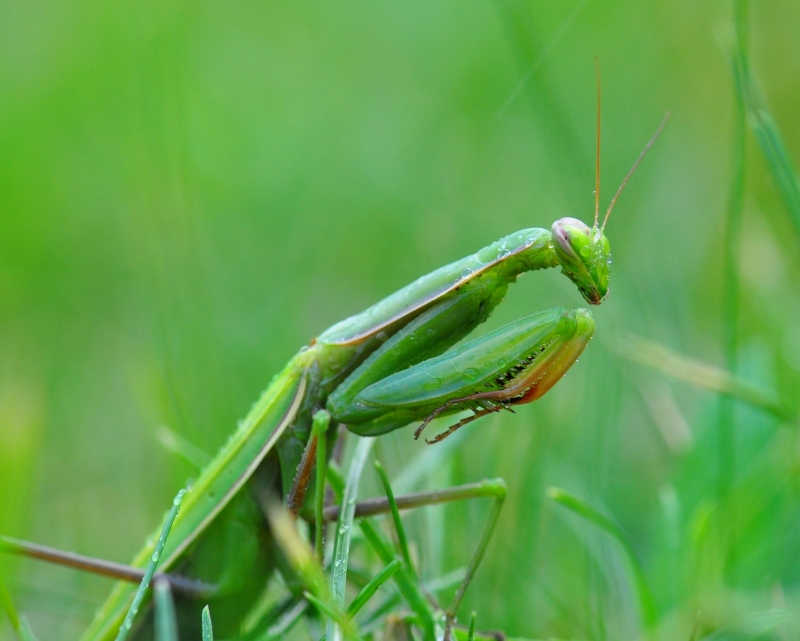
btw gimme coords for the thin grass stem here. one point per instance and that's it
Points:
(402, 541)
(369, 590)
(319, 429)
(127, 624)
(344, 530)
(166, 623)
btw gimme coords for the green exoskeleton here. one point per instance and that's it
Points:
(375, 372)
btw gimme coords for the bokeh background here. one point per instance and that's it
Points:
(190, 191)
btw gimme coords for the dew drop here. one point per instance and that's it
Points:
(466, 272)
(502, 253)
(432, 384)
(431, 332)
(382, 336)
(471, 373)
(154, 557)
(585, 251)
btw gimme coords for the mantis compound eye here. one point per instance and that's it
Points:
(585, 255)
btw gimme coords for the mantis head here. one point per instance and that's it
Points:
(585, 256)
(583, 251)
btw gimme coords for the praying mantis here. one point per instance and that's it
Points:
(394, 364)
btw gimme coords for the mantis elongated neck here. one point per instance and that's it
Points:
(524, 251)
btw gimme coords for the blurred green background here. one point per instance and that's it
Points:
(191, 191)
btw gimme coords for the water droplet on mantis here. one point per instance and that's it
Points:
(432, 384)
(471, 372)
(466, 272)
(585, 251)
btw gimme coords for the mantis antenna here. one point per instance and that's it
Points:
(635, 165)
(597, 153)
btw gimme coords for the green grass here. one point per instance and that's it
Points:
(188, 193)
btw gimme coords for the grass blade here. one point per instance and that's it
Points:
(19, 624)
(319, 429)
(326, 608)
(8, 607)
(125, 628)
(208, 630)
(766, 130)
(702, 375)
(752, 626)
(583, 509)
(398, 523)
(344, 530)
(175, 444)
(405, 583)
(334, 477)
(372, 587)
(286, 622)
(780, 163)
(166, 624)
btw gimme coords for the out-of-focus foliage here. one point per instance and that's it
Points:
(191, 191)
